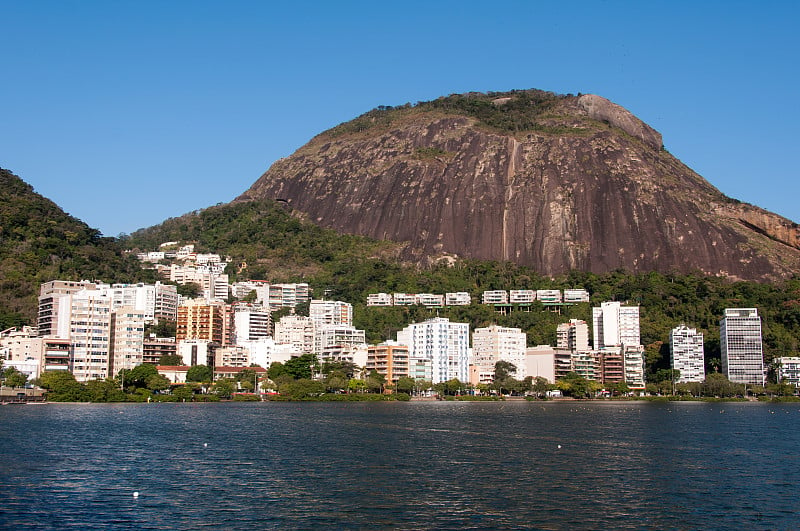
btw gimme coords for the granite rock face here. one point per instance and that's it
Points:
(589, 188)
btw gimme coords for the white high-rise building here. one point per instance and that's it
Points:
(573, 336)
(90, 333)
(55, 306)
(156, 301)
(287, 295)
(633, 356)
(324, 312)
(127, 339)
(740, 343)
(327, 336)
(296, 330)
(250, 322)
(265, 351)
(615, 325)
(498, 343)
(444, 344)
(686, 353)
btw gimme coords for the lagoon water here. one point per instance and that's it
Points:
(417, 465)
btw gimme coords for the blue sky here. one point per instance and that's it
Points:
(126, 113)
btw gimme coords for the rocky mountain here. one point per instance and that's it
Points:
(554, 182)
(41, 242)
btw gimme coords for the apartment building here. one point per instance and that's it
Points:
(296, 330)
(457, 298)
(287, 295)
(444, 344)
(379, 299)
(573, 336)
(326, 336)
(497, 343)
(390, 359)
(521, 296)
(548, 296)
(153, 348)
(788, 370)
(686, 353)
(615, 325)
(55, 305)
(741, 346)
(206, 320)
(325, 313)
(496, 296)
(250, 322)
(127, 339)
(90, 334)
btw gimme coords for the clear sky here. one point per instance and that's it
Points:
(128, 112)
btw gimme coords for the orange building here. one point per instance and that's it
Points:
(200, 319)
(389, 360)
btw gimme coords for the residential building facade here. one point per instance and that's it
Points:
(686, 354)
(444, 344)
(741, 346)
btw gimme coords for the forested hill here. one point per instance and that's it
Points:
(41, 242)
(277, 245)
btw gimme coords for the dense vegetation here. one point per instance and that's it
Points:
(264, 236)
(40, 242)
(280, 247)
(510, 112)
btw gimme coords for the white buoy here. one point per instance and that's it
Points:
(559, 446)
(205, 445)
(136, 494)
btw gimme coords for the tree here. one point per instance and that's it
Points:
(348, 368)
(275, 370)
(104, 391)
(504, 370)
(336, 382)
(158, 382)
(575, 385)
(164, 328)
(170, 359)
(247, 378)
(375, 381)
(190, 290)
(199, 373)
(14, 378)
(304, 388)
(184, 393)
(540, 386)
(224, 387)
(356, 386)
(618, 388)
(717, 384)
(137, 377)
(300, 367)
(62, 386)
(405, 384)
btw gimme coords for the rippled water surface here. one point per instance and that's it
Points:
(418, 465)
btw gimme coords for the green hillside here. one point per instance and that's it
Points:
(40, 242)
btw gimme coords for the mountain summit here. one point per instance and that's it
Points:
(554, 182)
